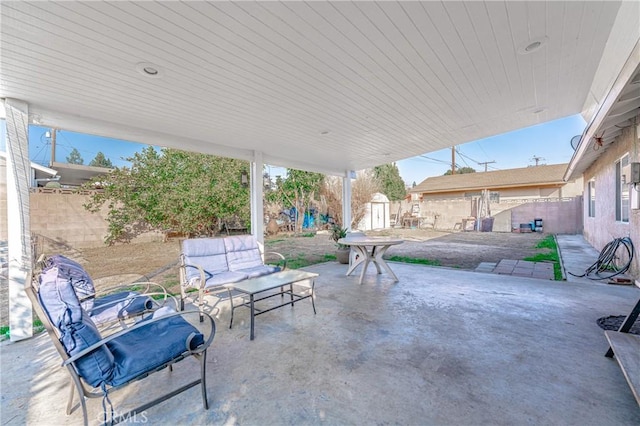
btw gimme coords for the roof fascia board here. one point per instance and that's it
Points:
(93, 126)
(627, 72)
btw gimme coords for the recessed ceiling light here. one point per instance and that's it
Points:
(532, 45)
(149, 69)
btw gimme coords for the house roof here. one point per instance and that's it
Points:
(621, 107)
(327, 86)
(39, 169)
(526, 176)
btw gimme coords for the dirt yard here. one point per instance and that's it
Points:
(463, 250)
(158, 261)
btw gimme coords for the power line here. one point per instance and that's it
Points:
(435, 159)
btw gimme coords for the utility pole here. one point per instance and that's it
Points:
(485, 164)
(536, 159)
(453, 160)
(53, 147)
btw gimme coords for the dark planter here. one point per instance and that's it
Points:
(342, 255)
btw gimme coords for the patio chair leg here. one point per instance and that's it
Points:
(83, 403)
(200, 303)
(70, 403)
(203, 379)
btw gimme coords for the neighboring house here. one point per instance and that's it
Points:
(40, 175)
(72, 175)
(512, 184)
(512, 198)
(608, 159)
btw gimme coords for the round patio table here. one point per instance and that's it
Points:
(370, 249)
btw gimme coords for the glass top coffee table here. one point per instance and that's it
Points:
(264, 287)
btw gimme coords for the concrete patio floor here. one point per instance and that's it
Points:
(440, 347)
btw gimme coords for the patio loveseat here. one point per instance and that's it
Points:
(97, 364)
(209, 264)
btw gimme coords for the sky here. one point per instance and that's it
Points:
(550, 142)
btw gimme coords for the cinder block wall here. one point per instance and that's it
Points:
(561, 217)
(63, 219)
(558, 217)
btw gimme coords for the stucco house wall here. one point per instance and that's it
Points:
(602, 228)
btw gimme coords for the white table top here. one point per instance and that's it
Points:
(370, 241)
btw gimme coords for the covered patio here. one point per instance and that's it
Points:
(333, 87)
(454, 348)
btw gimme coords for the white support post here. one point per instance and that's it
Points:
(257, 207)
(346, 200)
(18, 226)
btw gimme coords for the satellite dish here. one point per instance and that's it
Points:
(575, 141)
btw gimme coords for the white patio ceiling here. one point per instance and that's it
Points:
(386, 80)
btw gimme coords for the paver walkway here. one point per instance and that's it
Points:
(519, 268)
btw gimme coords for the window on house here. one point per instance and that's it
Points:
(591, 192)
(622, 189)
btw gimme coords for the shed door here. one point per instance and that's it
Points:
(377, 215)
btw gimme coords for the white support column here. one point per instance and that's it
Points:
(257, 207)
(19, 228)
(346, 199)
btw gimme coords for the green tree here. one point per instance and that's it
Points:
(391, 184)
(171, 190)
(297, 190)
(101, 161)
(74, 157)
(461, 171)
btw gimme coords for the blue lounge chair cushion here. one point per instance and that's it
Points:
(80, 280)
(77, 332)
(146, 348)
(242, 252)
(120, 306)
(96, 367)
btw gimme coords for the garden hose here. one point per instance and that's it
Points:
(607, 266)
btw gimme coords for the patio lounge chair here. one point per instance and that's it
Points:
(100, 365)
(114, 304)
(210, 264)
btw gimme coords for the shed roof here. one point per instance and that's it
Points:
(526, 176)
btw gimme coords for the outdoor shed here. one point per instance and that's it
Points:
(377, 213)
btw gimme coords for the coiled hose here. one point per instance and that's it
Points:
(608, 264)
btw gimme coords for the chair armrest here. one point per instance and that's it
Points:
(164, 297)
(284, 260)
(184, 267)
(134, 286)
(146, 323)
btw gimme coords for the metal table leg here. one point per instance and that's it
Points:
(253, 316)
